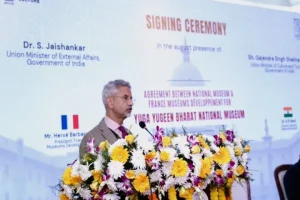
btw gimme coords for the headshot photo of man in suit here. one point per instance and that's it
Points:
(118, 103)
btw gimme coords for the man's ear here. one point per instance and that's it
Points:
(109, 102)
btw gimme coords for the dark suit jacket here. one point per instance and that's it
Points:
(100, 133)
(291, 182)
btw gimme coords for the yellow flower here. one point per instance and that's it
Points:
(68, 179)
(179, 168)
(130, 174)
(166, 141)
(247, 148)
(94, 186)
(64, 197)
(221, 193)
(230, 181)
(129, 139)
(202, 142)
(190, 193)
(104, 145)
(97, 176)
(219, 172)
(223, 137)
(183, 193)
(240, 170)
(223, 156)
(150, 156)
(186, 193)
(141, 183)
(195, 149)
(201, 184)
(120, 154)
(206, 167)
(213, 193)
(238, 151)
(133, 197)
(172, 193)
(164, 156)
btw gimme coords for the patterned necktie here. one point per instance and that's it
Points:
(122, 129)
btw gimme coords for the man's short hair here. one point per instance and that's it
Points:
(112, 87)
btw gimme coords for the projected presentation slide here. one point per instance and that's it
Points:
(201, 65)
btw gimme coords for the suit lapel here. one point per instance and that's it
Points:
(107, 133)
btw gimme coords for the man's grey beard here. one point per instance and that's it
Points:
(128, 114)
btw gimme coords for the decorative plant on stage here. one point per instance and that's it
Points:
(166, 167)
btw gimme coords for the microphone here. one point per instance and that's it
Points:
(143, 126)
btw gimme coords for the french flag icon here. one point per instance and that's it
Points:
(65, 121)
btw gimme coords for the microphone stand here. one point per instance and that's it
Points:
(150, 189)
(148, 173)
(143, 126)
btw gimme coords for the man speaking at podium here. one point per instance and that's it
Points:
(118, 102)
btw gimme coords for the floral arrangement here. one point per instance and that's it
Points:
(168, 167)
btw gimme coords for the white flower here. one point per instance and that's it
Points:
(182, 144)
(244, 159)
(145, 144)
(155, 176)
(155, 162)
(169, 183)
(75, 168)
(226, 142)
(116, 169)
(138, 159)
(85, 193)
(214, 147)
(119, 185)
(84, 172)
(119, 142)
(81, 170)
(231, 151)
(237, 142)
(210, 177)
(111, 184)
(67, 191)
(111, 197)
(209, 138)
(199, 194)
(98, 164)
(181, 180)
(140, 171)
(185, 150)
(197, 164)
(207, 152)
(225, 169)
(171, 152)
(180, 141)
(167, 168)
(187, 185)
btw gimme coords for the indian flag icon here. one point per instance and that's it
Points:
(288, 112)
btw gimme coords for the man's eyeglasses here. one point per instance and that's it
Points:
(127, 98)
